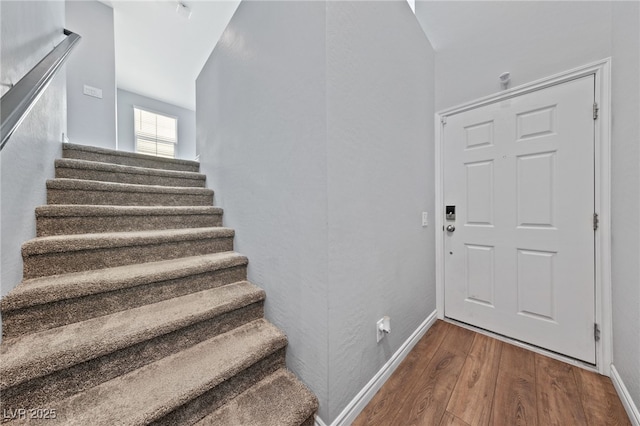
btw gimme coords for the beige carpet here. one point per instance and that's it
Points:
(134, 309)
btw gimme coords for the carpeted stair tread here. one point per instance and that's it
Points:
(90, 185)
(78, 242)
(68, 219)
(63, 254)
(155, 390)
(278, 400)
(35, 355)
(94, 170)
(63, 210)
(38, 291)
(78, 191)
(90, 153)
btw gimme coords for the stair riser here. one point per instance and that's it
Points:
(194, 410)
(41, 391)
(83, 260)
(50, 315)
(68, 225)
(116, 198)
(127, 161)
(140, 179)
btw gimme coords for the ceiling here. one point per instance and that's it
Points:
(159, 54)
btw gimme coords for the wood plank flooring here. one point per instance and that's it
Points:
(455, 377)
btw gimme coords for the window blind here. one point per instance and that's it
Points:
(156, 134)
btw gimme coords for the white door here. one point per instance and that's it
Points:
(520, 262)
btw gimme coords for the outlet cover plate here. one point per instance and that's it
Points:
(383, 326)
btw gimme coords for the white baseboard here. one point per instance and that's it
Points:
(625, 397)
(357, 404)
(319, 421)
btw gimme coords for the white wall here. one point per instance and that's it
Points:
(126, 101)
(477, 41)
(92, 121)
(314, 128)
(29, 30)
(380, 75)
(625, 196)
(261, 135)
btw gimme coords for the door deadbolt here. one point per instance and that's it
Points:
(451, 228)
(450, 212)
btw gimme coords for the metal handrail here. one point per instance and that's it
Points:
(18, 101)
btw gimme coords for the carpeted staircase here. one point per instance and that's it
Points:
(134, 308)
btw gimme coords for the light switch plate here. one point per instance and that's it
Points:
(425, 219)
(92, 91)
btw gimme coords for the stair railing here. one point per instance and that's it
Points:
(20, 99)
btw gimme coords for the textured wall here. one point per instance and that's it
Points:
(477, 41)
(30, 30)
(380, 74)
(317, 136)
(261, 134)
(186, 148)
(92, 121)
(625, 195)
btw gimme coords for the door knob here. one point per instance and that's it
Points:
(451, 228)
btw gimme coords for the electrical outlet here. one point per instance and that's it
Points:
(383, 327)
(425, 219)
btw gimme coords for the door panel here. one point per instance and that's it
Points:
(535, 190)
(479, 193)
(480, 274)
(536, 280)
(521, 260)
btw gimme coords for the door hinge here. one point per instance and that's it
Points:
(595, 110)
(443, 120)
(596, 221)
(596, 332)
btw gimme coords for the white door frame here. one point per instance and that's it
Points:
(602, 72)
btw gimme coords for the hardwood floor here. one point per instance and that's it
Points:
(455, 377)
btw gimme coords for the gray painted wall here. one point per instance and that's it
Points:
(530, 39)
(537, 39)
(30, 30)
(92, 121)
(380, 158)
(261, 135)
(625, 200)
(186, 147)
(323, 162)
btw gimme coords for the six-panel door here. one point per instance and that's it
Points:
(521, 259)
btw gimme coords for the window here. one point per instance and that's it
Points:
(156, 134)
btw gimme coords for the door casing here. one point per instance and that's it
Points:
(602, 72)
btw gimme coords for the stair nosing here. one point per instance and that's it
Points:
(99, 210)
(106, 340)
(81, 242)
(33, 292)
(106, 151)
(102, 186)
(77, 164)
